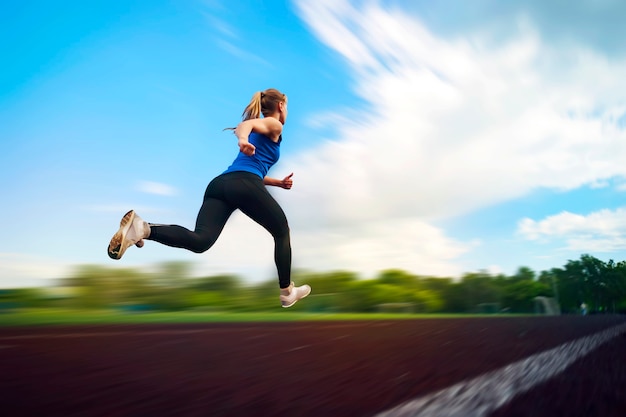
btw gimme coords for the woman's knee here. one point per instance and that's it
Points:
(201, 244)
(199, 248)
(281, 232)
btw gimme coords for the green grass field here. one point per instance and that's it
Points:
(32, 317)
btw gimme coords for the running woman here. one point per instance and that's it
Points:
(242, 186)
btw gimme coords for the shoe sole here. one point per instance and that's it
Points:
(297, 299)
(118, 244)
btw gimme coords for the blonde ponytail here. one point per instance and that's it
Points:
(263, 102)
(253, 109)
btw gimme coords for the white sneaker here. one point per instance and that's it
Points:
(290, 295)
(132, 231)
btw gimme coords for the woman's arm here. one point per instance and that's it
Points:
(285, 183)
(268, 126)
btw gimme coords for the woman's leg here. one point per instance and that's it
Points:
(253, 199)
(250, 196)
(209, 224)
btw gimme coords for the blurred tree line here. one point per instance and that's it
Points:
(600, 285)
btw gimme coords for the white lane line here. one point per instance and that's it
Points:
(479, 396)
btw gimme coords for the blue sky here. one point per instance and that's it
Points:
(435, 137)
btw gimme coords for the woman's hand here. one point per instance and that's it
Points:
(246, 147)
(287, 182)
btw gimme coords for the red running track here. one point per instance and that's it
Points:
(356, 368)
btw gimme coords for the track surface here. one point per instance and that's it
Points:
(358, 368)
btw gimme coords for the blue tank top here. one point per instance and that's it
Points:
(266, 154)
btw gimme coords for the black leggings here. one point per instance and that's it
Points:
(226, 193)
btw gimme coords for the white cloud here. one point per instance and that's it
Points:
(123, 208)
(241, 53)
(227, 37)
(449, 126)
(408, 244)
(221, 26)
(601, 231)
(247, 249)
(157, 188)
(18, 270)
